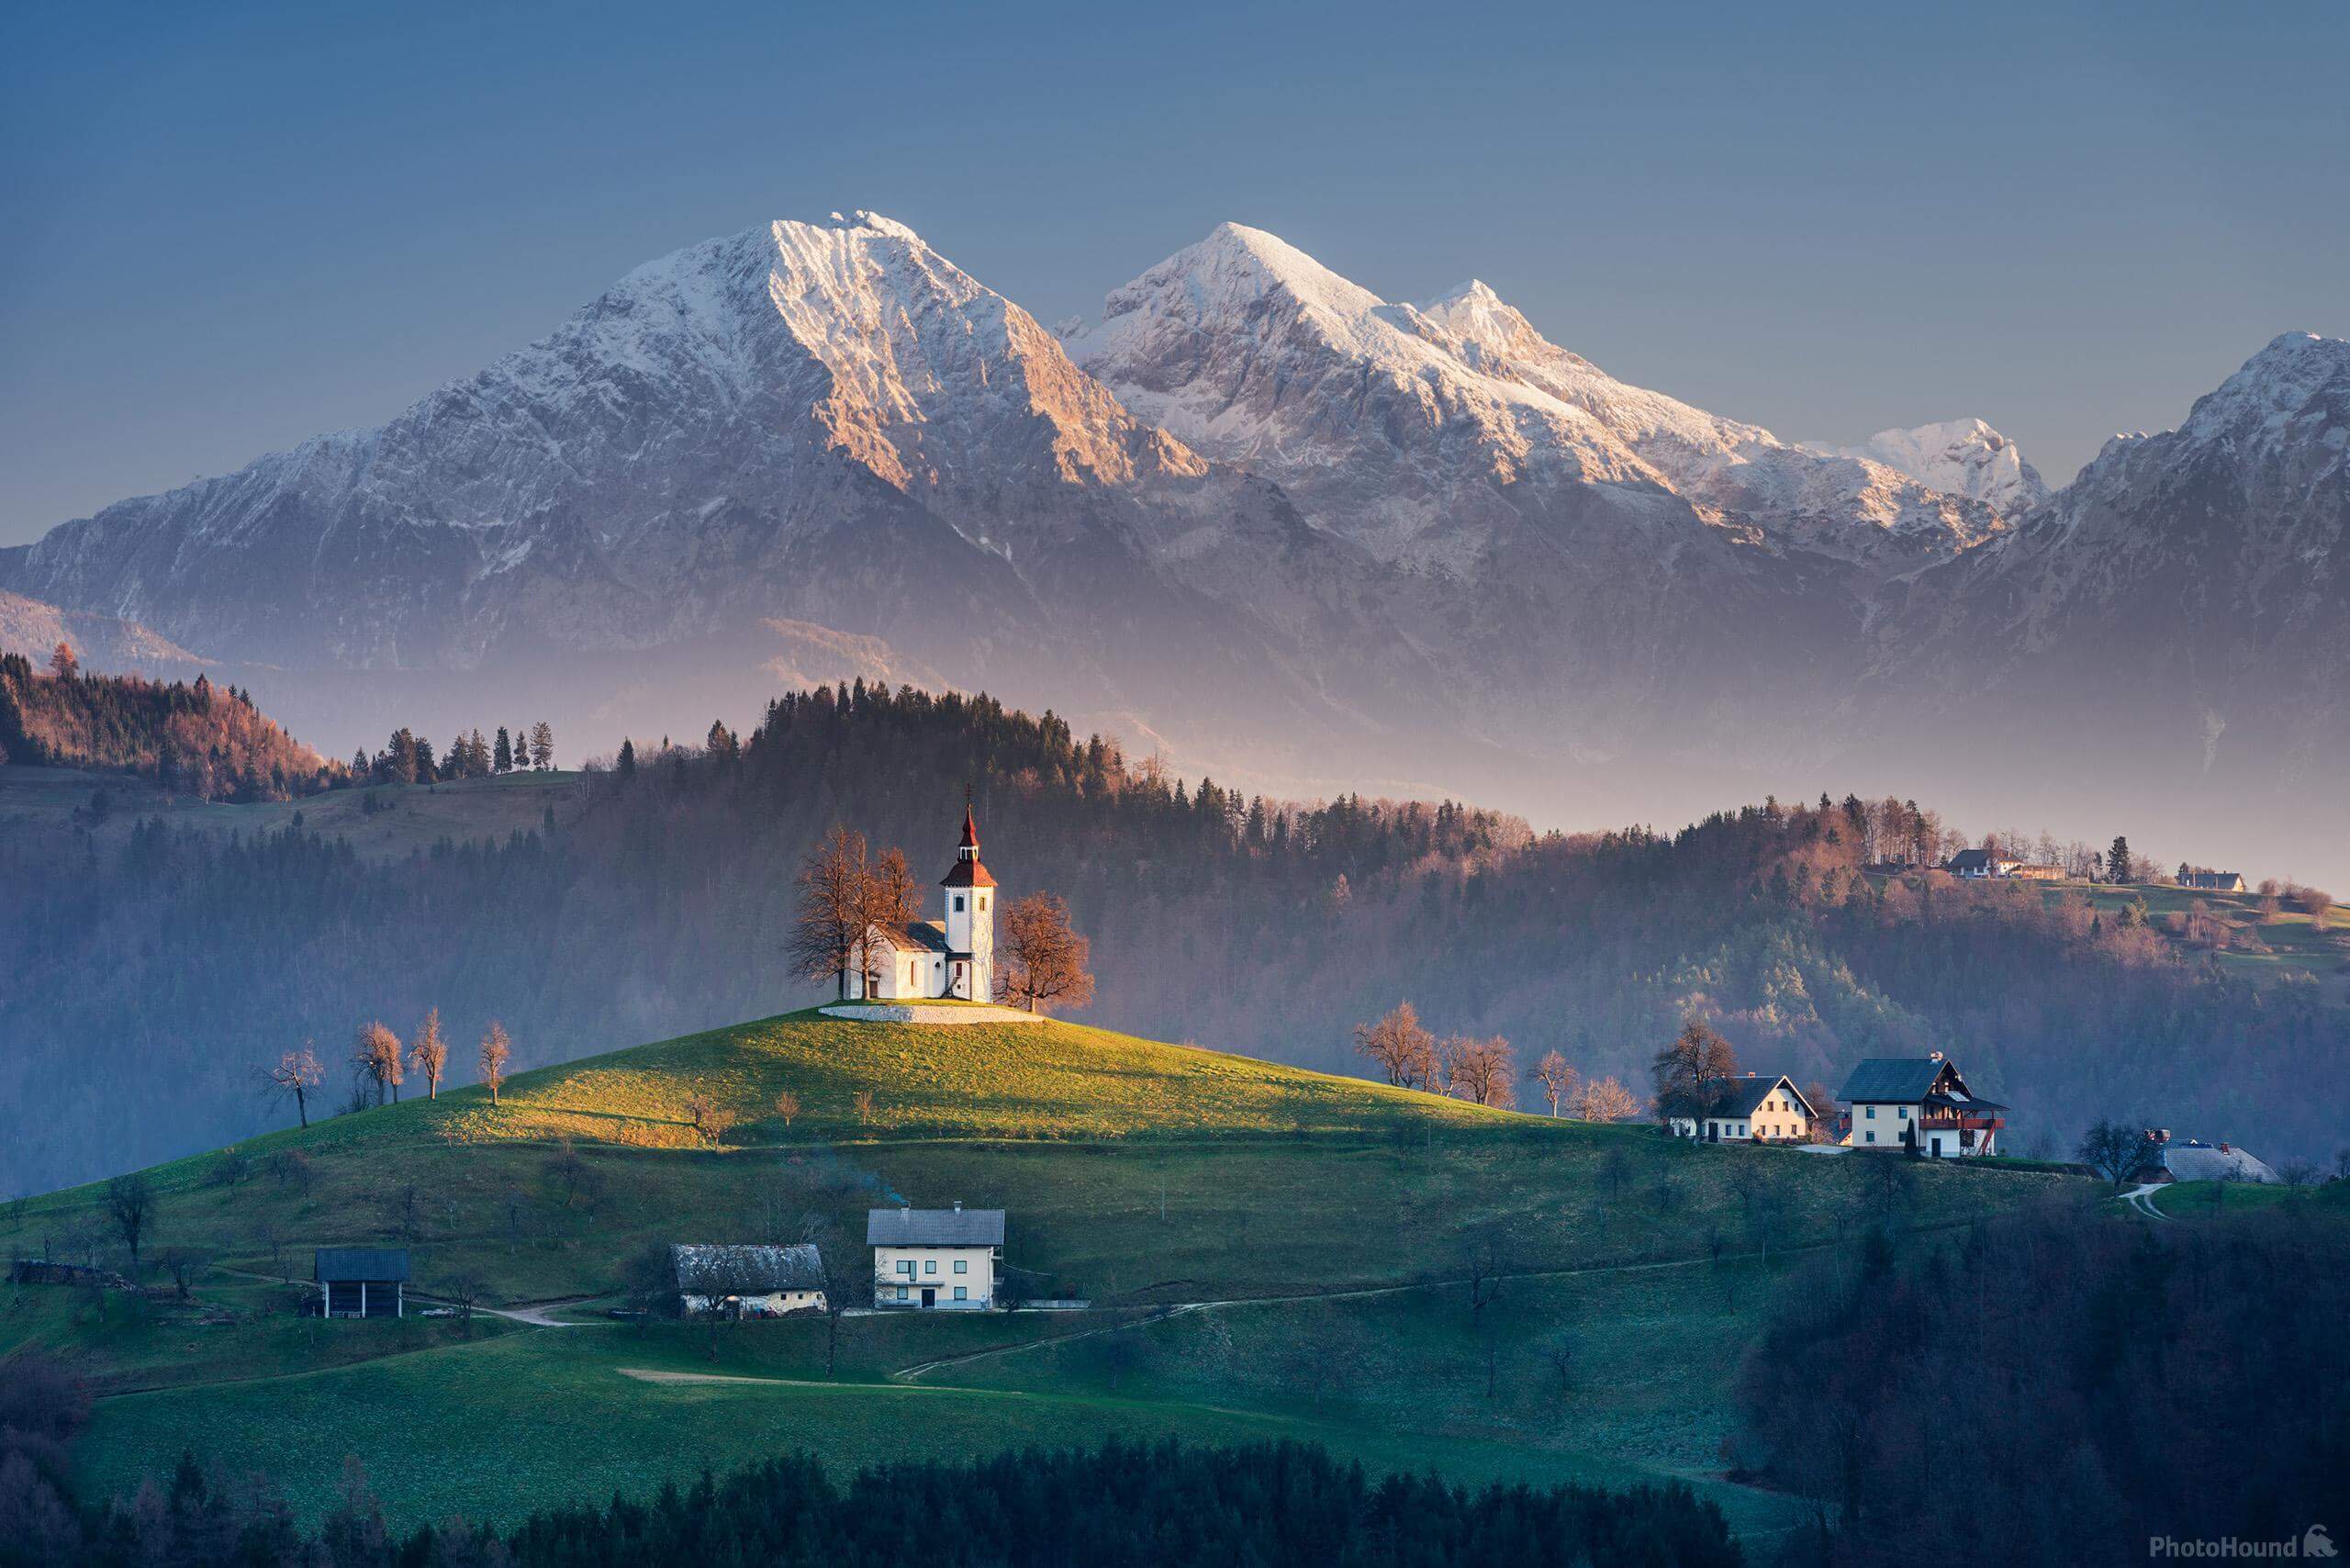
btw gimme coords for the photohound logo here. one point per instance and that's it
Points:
(2314, 1545)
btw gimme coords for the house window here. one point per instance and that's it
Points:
(961, 1293)
(902, 1293)
(962, 1265)
(1870, 1111)
(1902, 1112)
(930, 1265)
(1872, 1138)
(906, 1266)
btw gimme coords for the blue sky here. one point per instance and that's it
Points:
(227, 226)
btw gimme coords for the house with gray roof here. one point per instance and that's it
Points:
(1919, 1106)
(935, 1260)
(1764, 1108)
(2192, 1160)
(735, 1280)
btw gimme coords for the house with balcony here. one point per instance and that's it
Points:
(1921, 1105)
(934, 1260)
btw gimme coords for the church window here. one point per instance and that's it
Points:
(959, 904)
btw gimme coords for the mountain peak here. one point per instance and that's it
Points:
(2300, 382)
(1958, 457)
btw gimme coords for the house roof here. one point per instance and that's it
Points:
(734, 1270)
(934, 1227)
(2196, 1162)
(1743, 1095)
(967, 874)
(1969, 860)
(1889, 1079)
(376, 1265)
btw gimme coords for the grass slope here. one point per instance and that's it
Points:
(1140, 1174)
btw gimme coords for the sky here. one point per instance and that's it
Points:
(225, 228)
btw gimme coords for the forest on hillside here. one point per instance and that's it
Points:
(145, 986)
(193, 739)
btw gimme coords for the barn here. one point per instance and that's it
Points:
(361, 1282)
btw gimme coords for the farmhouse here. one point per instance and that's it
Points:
(2204, 879)
(953, 956)
(747, 1281)
(1766, 1109)
(934, 1257)
(2192, 1160)
(1919, 1103)
(1972, 863)
(361, 1282)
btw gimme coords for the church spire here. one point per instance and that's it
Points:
(967, 871)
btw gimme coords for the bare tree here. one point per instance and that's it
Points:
(431, 1053)
(863, 1101)
(2113, 1151)
(375, 1059)
(183, 1264)
(1607, 1100)
(830, 926)
(787, 1105)
(887, 900)
(1691, 1071)
(1398, 1044)
(847, 1279)
(496, 1051)
(296, 1074)
(542, 746)
(1046, 959)
(130, 1203)
(1483, 1267)
(713, 1120)
(1559, 1081)
(1483, 1071)
(463, 1291)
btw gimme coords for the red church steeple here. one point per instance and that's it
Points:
(969, 872)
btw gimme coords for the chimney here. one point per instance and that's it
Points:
(958, 1205)
(1936, 1055)
(2225, 1149)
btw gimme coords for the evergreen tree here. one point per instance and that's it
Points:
(502, 758)
(2117, 860)
(628, 758)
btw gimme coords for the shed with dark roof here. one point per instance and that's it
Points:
(361, 1282)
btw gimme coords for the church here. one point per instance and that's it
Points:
(925, 959)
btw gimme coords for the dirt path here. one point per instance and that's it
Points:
(2142, 1198)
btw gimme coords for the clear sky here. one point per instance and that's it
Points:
(224, 228)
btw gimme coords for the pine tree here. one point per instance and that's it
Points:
(542, 746)
(2117, 860)
(628, 758)
(502, 758)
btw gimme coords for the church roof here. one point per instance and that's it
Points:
(916, 935)
(967, 871)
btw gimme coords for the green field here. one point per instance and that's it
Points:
(1270, 1252)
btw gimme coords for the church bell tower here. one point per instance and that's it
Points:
(970, 919)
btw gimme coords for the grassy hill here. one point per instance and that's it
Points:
(1271, 1252)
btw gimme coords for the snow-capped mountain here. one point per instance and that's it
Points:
(1427, 434)
(1293, 530)
(1958, 457)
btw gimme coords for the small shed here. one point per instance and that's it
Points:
(361, 1282)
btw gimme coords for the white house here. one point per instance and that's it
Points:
(1768, 1110)
(937, 1259)
(748, 1282)
(1921, 1103)
(924, 959)
(2192, 1160)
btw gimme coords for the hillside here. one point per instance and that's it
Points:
(589, 910)
(190, 739)
(1271, 1252)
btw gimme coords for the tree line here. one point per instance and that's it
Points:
(1121, 1506)
(143, 963)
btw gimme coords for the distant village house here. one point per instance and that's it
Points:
(1919, 1103)
(747, 1281)
(935, 1259)
(1750, 1106)
(1981, 864)
(2192, 1160)
(2202, 879)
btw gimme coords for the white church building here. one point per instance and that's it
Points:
(925, 959)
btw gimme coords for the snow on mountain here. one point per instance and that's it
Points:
(1425, 432)
(1959, 457)
(2192, 586)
